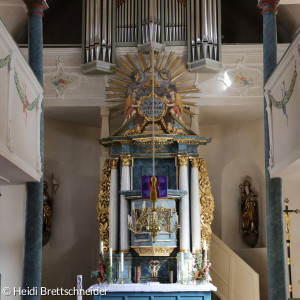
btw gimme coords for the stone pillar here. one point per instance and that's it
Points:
(275, 232)
(114, 206)
(195, 205)
(124, 206)
(104, 151)
(184, 210)
(32, 255)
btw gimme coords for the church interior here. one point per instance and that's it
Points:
(161, 135)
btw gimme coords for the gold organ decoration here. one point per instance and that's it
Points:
(103, 202)
(206, 201)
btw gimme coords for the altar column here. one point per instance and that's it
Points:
(124, 206)
(195, 205)
(184, 210)
(114, 206)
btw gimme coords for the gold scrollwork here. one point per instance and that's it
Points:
(194, 162)
(183, 160)
(126, 160)
(114, 163)
(154, 250)
(206, 202)
(103, 204)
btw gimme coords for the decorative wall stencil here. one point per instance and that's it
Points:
(4, 61)
(23, 97)
(241, 77)
(21, 92)
(60, 81)
(286, 95)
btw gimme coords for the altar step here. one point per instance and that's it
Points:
(234, 278)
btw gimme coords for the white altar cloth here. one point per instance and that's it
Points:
(163, 287)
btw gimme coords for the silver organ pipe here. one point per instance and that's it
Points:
(109, 25)
(87, 31)
(92, 29)
(193, 39)
(166, 21)
(203, 25)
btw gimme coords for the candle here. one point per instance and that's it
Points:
(110, 257)
(193, 250)
(101, 248)
(122, 263)
(176, 218)
(163, 204)
(182, 261)
(133, 207)
(204, 245)
(144, 204)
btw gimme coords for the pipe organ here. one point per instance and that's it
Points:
(118, 23)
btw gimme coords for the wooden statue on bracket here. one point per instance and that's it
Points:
(249, 213)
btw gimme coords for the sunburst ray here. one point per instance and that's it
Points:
(130, 60)
(169, 59)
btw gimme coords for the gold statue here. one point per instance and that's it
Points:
(131, 104)
(175, 102)
(154, 266)
(249, 213)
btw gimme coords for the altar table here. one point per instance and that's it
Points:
(155, 291)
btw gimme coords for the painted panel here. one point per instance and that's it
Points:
(165, 167)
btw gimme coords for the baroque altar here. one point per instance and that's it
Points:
(159, 138)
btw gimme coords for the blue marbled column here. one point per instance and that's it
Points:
(32, 259)
(275, 234)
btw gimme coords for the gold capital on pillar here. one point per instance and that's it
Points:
(194, 162)
(114, 163)
(183, 160)
(125, 160)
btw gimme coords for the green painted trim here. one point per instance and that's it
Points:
(126, 44)
(188, 29)
(176, 43)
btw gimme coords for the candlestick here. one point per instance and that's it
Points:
(110, 257)
(101, 248)
(122, 263)
(182, 266)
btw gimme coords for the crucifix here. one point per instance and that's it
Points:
(287, 212)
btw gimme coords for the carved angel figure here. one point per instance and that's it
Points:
(175, 102)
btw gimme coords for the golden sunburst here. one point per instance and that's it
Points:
(136, 71)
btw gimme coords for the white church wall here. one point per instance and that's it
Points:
(291, 190)
(12, 208)
(237, 151)
(72, 154)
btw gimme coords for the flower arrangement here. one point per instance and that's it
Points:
(104, 272)
(200, 269)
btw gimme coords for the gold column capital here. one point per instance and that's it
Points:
(194, 162)
(125, 160)
(183, 160)
(114, 163)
